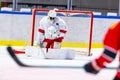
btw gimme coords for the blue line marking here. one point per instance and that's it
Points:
(44, 13)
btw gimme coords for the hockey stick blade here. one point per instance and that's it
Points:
(16, 59)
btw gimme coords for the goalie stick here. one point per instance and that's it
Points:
(16, 59)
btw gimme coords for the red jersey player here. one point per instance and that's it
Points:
(111, 49)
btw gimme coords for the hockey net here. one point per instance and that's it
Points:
(80, 27)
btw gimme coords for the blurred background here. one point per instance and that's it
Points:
(101, 7)
(13, 18)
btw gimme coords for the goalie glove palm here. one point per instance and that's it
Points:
(52, 32)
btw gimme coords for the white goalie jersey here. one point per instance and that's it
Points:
(51, 29)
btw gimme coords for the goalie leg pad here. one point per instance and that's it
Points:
(70, 54)
(32, 51)
(60, 54)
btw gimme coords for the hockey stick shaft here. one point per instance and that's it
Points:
(16, 59)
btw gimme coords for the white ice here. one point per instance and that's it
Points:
(9, 70)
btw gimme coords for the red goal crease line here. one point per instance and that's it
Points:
(20, 51)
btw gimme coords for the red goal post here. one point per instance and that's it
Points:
(66, 13)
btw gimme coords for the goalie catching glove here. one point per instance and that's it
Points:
(53, 32)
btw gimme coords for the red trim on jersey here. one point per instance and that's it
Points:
(101, 60)
(50, 42)
(118, 74)
(63, 31)
(95, 66)
(41, 30)
(59, 39)
(112, 37)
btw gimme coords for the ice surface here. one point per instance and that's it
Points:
(9, 70)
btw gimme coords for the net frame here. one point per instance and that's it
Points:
(66, 12)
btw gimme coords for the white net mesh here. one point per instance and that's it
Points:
(79, 24)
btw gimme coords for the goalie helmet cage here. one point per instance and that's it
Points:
(65, 13)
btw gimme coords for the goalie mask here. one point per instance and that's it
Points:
(52, 14)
